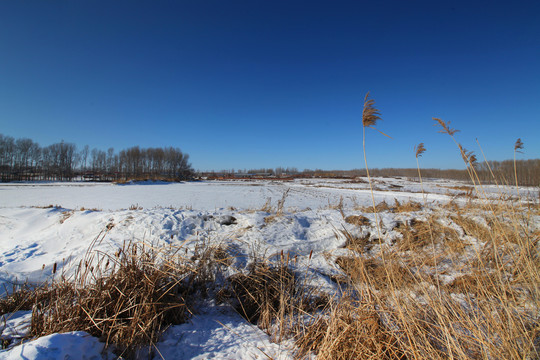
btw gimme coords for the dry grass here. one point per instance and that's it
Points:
(376, 273)
(359, 243)
(65, 215)
(415, 234)
(21, 297)
(380, 207)
(50, 206)
(409, 206)
(280, 209)
(488, 308)
(490, 311)
(272, 297)
(264, 292)
(127, 300)
(349, 330)
(357, 220)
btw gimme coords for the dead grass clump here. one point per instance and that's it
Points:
(281, 203)
(206, 265)
(280, 209)
(21, 297)
(449, 237)
(267, 207)
(339, 206)
(463, 191)
(471, 326)
(129, 307)
(380, 207)
(65, 215)
(483, 284)
(375, 272)
(349, 330)
(221, 255)
(408, 206)
(414, 234)
(358, 243)
(473, 228)
(270, 219)
(504, 231)
(50, 206)
(135, 207)
(357, 220)
(398, 207)
(265, 294)
(89, 209)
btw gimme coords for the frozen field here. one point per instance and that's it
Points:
(312, 193)
(35, 235)
(213, 195)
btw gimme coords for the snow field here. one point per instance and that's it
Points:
(33, 239)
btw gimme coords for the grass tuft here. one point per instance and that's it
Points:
(129, 306)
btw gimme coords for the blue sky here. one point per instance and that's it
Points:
(245, 84)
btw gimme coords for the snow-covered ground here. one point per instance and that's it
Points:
(35, 236)
(205, 195)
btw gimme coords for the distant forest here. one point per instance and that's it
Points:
(24, 159)
(528, 173)
(502, 172)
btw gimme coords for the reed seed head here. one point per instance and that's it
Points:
(467, 156)
(446, 129)
(518, 146)
(370, 115)
(419, 149)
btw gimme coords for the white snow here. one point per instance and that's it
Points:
(72, 345)
(219, 333)
(200, 195)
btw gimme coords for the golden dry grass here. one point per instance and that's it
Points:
(128, 306)
(358, 220)
(376, 273)
(351, 330)
(408, 206)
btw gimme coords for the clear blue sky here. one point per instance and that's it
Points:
(243, 84)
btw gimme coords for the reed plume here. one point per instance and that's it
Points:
(370, 114)
(419, 150)
(518, 146)
(446, 129)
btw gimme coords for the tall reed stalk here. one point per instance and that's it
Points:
(517, 147)
(370, 117)
(419, 150)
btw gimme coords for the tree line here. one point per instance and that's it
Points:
(24, 159)
(502, 172)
